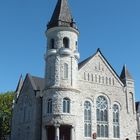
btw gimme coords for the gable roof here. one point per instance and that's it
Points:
(84, 62)
(61, 16)
(36, 82)
(39, 82)
(19, 87)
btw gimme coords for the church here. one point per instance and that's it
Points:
(74, 100)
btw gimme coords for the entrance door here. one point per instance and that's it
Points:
(51, 132)
(65, 132)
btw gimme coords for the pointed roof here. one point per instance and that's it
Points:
(18, 89)
(37, 84)
(138, 107)
(125, 74)
(20, 83)
(61, 16)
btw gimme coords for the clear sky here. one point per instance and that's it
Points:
(111, 25)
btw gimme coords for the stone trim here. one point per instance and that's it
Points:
(62, 89)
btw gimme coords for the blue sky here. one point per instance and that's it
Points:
(111, 25)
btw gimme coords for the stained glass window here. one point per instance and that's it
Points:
(102, 116)
(87, 118)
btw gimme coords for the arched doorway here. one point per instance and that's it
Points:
(65, 132)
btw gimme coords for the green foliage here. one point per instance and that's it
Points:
(6, 100)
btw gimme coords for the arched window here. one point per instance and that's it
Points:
(113, 81)
(96, 78)
(116, 126)
(106, 80)
(87, 119)
(65, 42)
(103, 79)
(84, 76)
(92, 77)
(76, 45)
(99, 79)
(49, 106)
(102, 116)
(66, 105)
(65, 71)
(88, 76)
(52, 44)
(109, 81)
(99, 66)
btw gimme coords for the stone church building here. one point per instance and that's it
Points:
(74, 101)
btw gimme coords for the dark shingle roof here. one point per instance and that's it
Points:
(61, 16)
(36, 82)
(39, 82)
(20, 83)
(125, 74)
(138, 107)
(81, 64)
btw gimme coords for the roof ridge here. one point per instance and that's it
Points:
(82, 63)
(89, 58)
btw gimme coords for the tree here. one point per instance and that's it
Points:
(6, 100)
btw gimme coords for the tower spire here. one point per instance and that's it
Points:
(125, 75)
(61, 16)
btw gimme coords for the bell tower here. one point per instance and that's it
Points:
(62, 48)
(61, 72)
(129, 89)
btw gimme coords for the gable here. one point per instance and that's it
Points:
(30, 85)
(27, 90)
(96, 69)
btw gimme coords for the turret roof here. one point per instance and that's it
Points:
(138, 107)
(125, 74)
(61, 16)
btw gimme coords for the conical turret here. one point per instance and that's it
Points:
(125, 75)
(61, 16)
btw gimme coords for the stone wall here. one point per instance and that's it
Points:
(26, 120)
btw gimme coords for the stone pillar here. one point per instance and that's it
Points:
(44, 133)
(72, 133)
(57, 131)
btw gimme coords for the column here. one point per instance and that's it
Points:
(44, 133)
(72, 133)
(57, 131)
